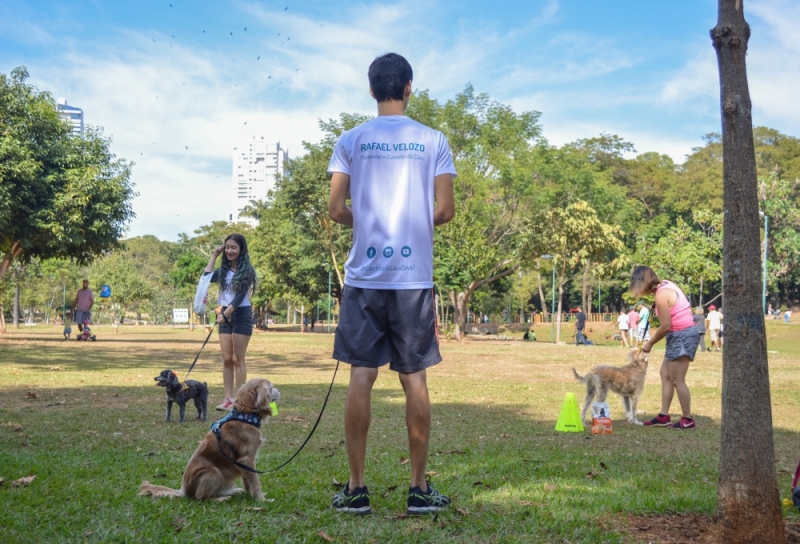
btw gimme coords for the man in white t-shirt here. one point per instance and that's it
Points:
(643, 331)
(714, 324)
(398, 175)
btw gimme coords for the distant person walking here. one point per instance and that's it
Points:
(643, 330)
(700, 325)
(622, 322)
(787, 316)
(237, 278)
(82, 305)
(633, 324)
(714, 326)
(580, 324)
(676, 324)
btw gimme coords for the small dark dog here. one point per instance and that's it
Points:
(177, 392)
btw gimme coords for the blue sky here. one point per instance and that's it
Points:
(157, 83)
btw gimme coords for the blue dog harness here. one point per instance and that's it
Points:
(233, 415)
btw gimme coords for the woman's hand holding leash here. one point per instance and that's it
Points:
(646, 347)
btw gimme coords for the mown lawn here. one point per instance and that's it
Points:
(95, 431)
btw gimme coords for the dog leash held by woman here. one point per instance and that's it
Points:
(676, 324)
(236, 277)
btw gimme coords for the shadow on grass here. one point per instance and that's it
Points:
(512, 477)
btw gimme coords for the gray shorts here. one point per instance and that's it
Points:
(379, 326)
(80, 317)
(680, 343)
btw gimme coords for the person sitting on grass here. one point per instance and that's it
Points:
(676, 324)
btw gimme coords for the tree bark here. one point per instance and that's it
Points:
(749, 507)
(15, 316)
(2, 319)
(701, 292)
(541, 295)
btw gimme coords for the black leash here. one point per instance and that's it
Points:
(303, 445)
(204, 345)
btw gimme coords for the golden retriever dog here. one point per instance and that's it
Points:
(210, 474)
(626, 381)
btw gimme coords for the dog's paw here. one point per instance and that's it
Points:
(637, 422)
(223, 499)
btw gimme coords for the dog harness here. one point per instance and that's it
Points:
(233, 415)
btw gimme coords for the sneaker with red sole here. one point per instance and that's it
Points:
(684, 423)
(660, 420)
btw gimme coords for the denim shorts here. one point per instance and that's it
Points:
(683, 342)
(240, 322)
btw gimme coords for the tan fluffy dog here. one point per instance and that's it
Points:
(209, 474)
(626, 381)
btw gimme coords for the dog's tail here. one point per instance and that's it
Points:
(159, 491)
(578, 377)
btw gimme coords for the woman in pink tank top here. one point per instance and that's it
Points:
(676, 325)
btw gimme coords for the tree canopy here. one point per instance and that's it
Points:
(60, 195)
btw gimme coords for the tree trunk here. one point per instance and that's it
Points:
(541, 295)
(459, 299)
(2, 319)
(749, 506)
(15, 317)
(701, 292)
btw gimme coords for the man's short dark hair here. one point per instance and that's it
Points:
(388, 76)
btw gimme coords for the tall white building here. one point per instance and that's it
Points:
(255, 164)
(72, 115)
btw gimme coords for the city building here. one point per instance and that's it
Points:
(71, 114)
(255, 164)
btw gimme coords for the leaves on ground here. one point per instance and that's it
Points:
(55, 368)
(24, 482)
(602, 464)
(404, 460)
(550, 487)
(325, 536)
(32, 395)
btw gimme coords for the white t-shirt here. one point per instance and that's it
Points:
(392, 161)
(227, 294)
(623, 322)
(714, 319)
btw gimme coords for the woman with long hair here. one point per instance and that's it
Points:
(676, 324)
(237, 278)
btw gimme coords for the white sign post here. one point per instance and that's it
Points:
(180, 315)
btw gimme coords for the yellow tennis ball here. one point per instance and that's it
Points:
(787, 502)
(274, 407)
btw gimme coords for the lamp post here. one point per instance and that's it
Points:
(553, 303)
(766, 245)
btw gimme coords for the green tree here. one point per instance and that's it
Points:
(690, 256)
(492, 148)
(574, 236)
(60, 195)
(777, 200)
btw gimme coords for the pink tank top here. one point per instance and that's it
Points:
(681, 313)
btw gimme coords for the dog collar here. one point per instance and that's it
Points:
(233, 415)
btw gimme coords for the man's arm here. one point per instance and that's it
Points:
(337, 204)
(445, 201)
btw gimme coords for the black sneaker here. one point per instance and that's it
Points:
(420, 502)
(356, 502)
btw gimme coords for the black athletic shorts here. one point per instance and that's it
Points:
(240, 322)
(379, 326)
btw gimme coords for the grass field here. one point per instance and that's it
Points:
(95, 431)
